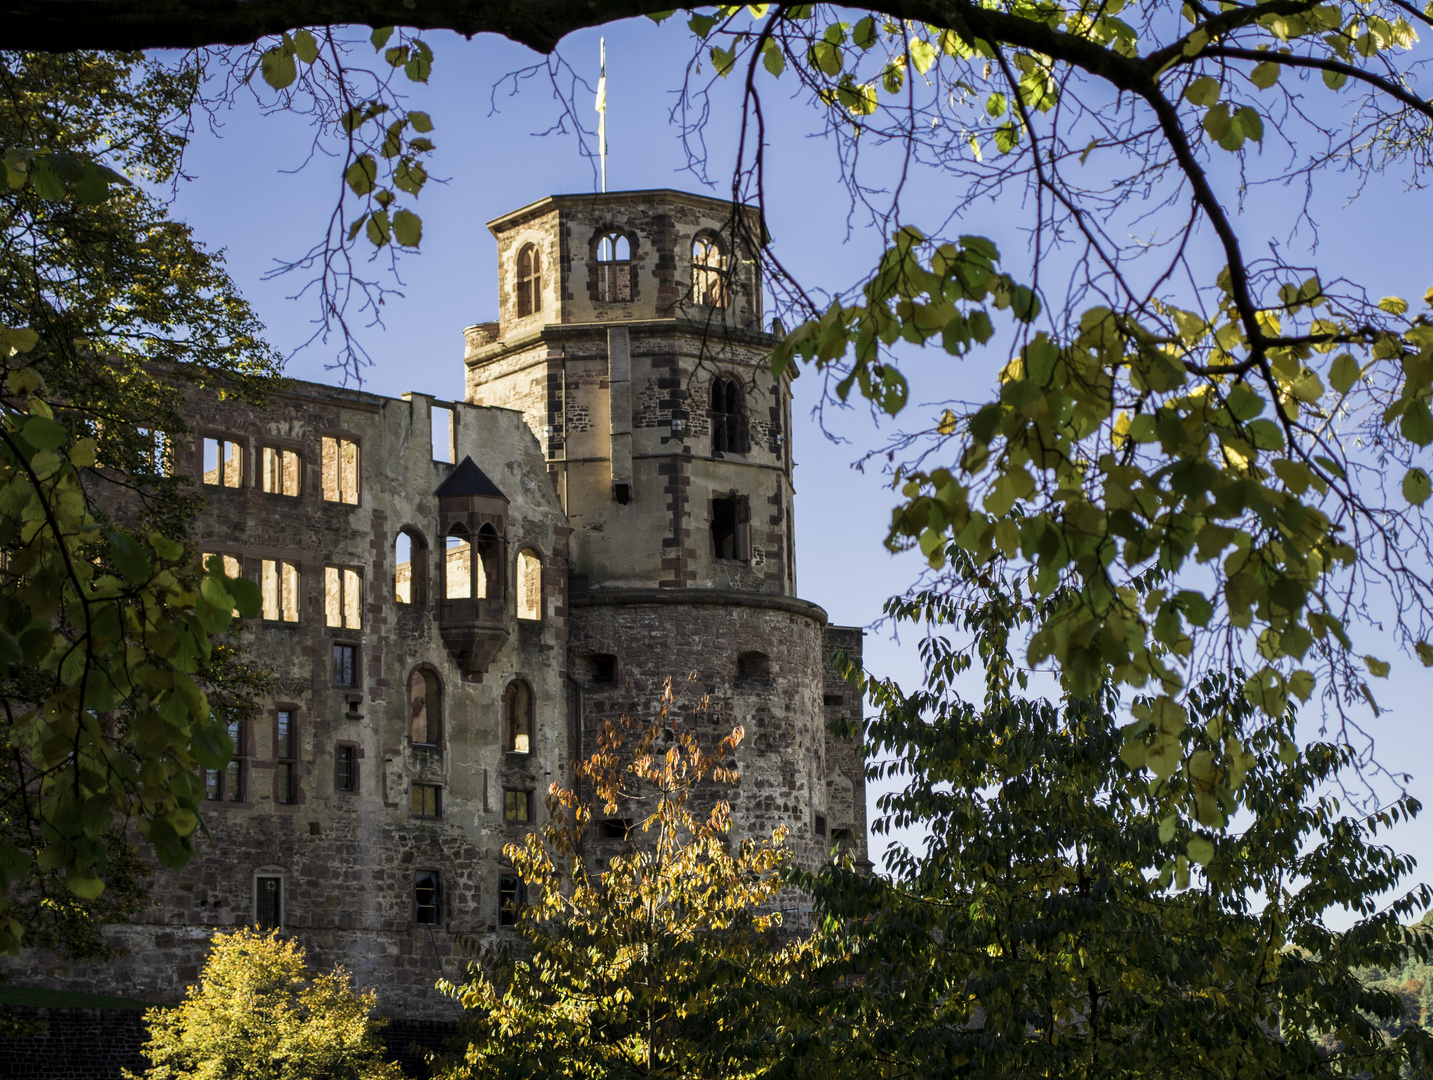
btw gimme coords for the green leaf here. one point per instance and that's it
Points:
(1265, 75)
(278, 68)
(377, 228)
(420, 65)
(1201, 850)
(407, 228)
(420, 121)
(1217, 122)
(1007, 137)
(1394, 305)
(44, 181)
(1334, 79)
(995, 105)
(923, 55)
(774, 59)
(1417, 423)
(1249, 123)
(723, 60)
(1417, 486)
(864, 33)
(92, 188)
(380, 37)
(1203, 91)
(1377, 668)
(362, 174)
(43, 433)
(1343, 373)
(305, 47)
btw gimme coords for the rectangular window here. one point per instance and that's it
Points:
(281, 471)
(345, 768)
(286, 758)
(279, 584)
(231, 563)
(227, 784)
(517, 805)
(444, 432)
(223, 463)
(155, 454)
(510, 898)
(427, 897)
(426, 801)
(731, 528)
(345, 665)
(340, 470)
(268, 902)
(343, 597)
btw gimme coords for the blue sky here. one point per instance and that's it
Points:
(248, 201)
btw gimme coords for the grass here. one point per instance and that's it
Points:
(66, 999)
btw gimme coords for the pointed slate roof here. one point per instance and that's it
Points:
(468, 479)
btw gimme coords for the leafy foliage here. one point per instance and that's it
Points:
(1036, 933)
(649, 967)
(113, 692)
(259, 1012)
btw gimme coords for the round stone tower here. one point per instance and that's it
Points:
(630, 336)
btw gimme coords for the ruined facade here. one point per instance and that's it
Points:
(456, 594)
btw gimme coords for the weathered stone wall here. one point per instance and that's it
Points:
(75, 1044)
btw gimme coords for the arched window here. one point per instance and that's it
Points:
(614, 268)
(728, 417)
(517, 718)
(489, 564)
(425, 708)
(708, 272)
(753, 669)
(529, 585)
(529, 281)
(410, 567)
(458, 566)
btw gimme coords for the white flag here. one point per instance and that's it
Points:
(602, 81)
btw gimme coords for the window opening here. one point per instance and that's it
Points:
(458, 567)
(343, 597)
(410, 568)
(155, 455)
(622, 493)
(529, 281)
(604, 669)
(841, 836)
(517, 709)
(614, 268)
(345, 665)
(728, 417)
(268, 902)
(223, 463)
(820, 825)
(510, 898)
(286, 758)
(340, 470)
(426, 801)
(281, 471)
(517, 805)
(753, 668)
(731, 528)
(529, 586)
(833, 700)
(444, 433)
(230, 565)
(345, 768)
(614, 828)
(426, 897)
(424, 707)
(279, 587)
(487, 569)
(708, 272)
(227, 784)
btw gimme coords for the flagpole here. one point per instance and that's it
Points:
(602, 115)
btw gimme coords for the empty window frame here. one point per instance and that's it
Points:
(426, 801)
(410, 568)
(709, 272)
(427, 898)
(753, 669)
(517, 805)
(820, 825)
(340, 470)
(230, 783)
(731, 528)
(228, 563)
(458, 566)
(529, 281)
(343, 597)
(614, 268)
(445, 432)
(517, 718)
(286, 753)
(268, 901)
(345, 665)
(604, 669)
(281, 470)
(155, 453)
(223, 463)
(425, 708)
(345, 768)
(279, 587)
(728, 414)
(833, 701)
(510, 898)
(529, 585)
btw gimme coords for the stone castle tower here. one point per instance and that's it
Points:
(458, 593)
(630, 337)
